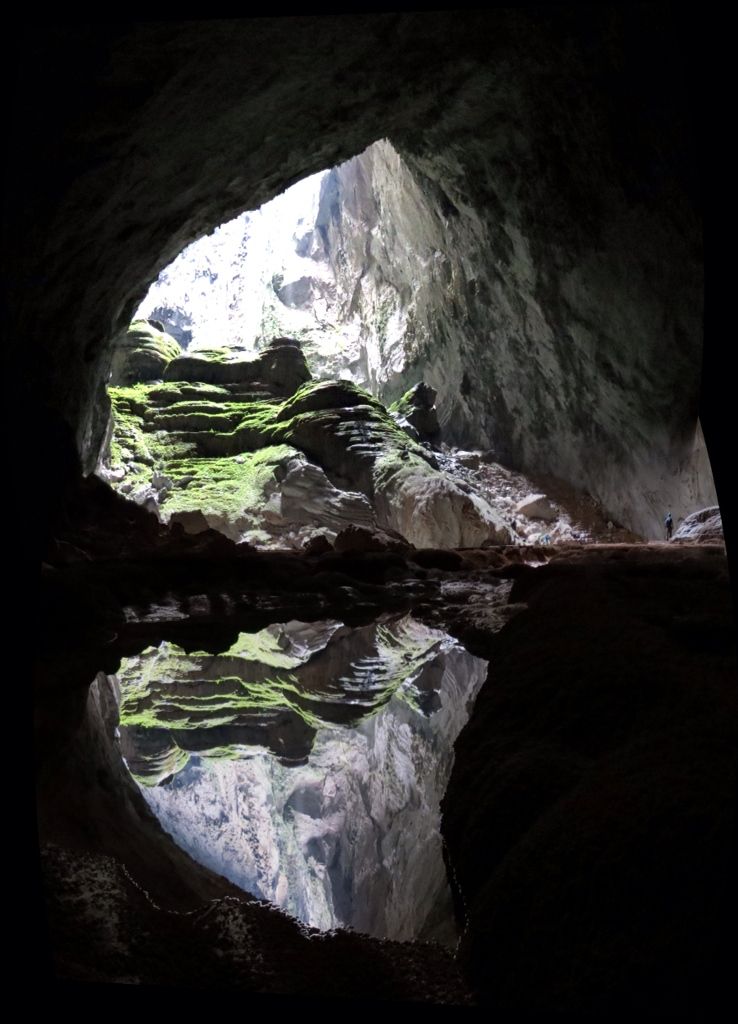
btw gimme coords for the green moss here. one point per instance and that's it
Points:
(165, 689)
(222, 450)
(144, 337)
(167, 704)
(134, 447)
(326, 394)
(169, 392)
(262, 647)
(143, 354)
(158, 768)
(234, 487)
(232, 753)
(404, 404)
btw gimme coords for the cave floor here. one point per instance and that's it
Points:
(612, 650)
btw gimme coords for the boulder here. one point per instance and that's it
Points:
(417, 406)
(536, 506)
(703, 527)
(431, 509)
(308, 497)
(143, 354)
(191, 520)
(326, 394)
(317, 545)
(471, 460)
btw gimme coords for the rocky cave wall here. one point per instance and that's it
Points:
(559, 351)
(552, 149)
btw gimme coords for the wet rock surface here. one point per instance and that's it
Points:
(588, 816)
(107, 930)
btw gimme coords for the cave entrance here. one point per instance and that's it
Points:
(279, 383)
(313, 264)
(307, 763)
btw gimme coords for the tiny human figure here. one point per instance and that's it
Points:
(669, 524)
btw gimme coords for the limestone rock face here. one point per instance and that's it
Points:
(214, 446)
(417, 408)
(703, 527)
(499, 320)
(401, 283)
(308, 497)
(433, 510)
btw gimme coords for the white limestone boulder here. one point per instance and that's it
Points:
(536, 506)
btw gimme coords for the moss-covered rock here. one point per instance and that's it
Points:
(417, 407)
(215, 452)
(280, 368)
(327, 394)
(143, 354)
(232, 493)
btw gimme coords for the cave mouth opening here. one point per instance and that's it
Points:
(311, 265)
(307, 763)
(279, 384)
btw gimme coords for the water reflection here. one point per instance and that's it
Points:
(307, 763)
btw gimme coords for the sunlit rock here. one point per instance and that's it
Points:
(536, 506)
(225, 451)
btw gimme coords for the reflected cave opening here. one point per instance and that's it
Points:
(307, 763)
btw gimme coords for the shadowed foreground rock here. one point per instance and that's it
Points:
(590, 815)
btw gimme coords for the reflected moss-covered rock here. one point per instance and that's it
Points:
(152, 755)
(271, 690)
(349, 835)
